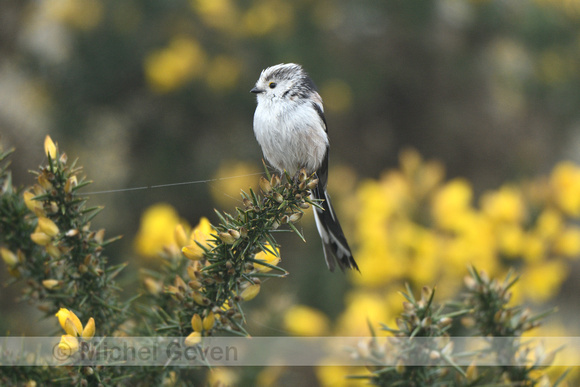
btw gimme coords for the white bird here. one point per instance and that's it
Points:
(290, 127)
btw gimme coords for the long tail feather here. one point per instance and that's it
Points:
(335, 246)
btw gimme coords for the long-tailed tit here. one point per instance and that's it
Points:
(290, 127)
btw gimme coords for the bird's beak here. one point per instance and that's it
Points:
(255, 90)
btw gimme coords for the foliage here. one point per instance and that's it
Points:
(47, 241)
(485, 308)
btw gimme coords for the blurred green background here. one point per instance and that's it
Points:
(149, 93)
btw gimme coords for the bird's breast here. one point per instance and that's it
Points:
(291, 136)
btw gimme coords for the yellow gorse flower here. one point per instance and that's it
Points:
(49, 147)
(156, 230)
(201, 234)
(8, 257)
(267, 257)
(73, 327)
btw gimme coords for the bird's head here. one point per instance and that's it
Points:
(285, 81)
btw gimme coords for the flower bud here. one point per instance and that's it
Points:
(199, 298)
(471, 372)
(265, 185)
(152, 286)
(9, 257)
(44, 183)
(47, 226)
(70, 183)
(89, 329)
(275, 181)
(250, 292)
(208, 321)
(196, 323)
(278, 197)
(50, 284)
(33, 205)
(226, 238)
(193, 252)
(312, 184)
(194, 284)
(49, 147)
(68, 345)
(100, 236)
(53, 251)
(234, 233)
(444, 322)
(180, 283)
(40, 238)
(72, 232)
(295, 217)
(193, 339)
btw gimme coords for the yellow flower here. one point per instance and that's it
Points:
(208, 321)
(89, 329)
(223, 73)
(549, 224)
(73, 326)
(33, 205)
(154, 287)
(180, 235)
(170, 68)
(539, 282)
(68, 345)
(504, 205)
(267, 257)
(47, 226)
(200, 234)
(156, 230)
(49, 147)
(223, 376)
(452, 203)
(250, 292)
(196, 323)
(534, 248)
(193, 339)
(230, 176)
(362, 307)
(40, 238)
(511, 240)
(567, 243)
(50, 283)
(565, 184)
(301, 320)
(216, 13)
(264, 16)
(80, 14)
(9, 257)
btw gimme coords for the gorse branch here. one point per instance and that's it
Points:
(228, 262)
(484, 306)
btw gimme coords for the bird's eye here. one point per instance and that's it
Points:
(272, 85)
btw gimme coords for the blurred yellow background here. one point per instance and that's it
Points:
(453, 127)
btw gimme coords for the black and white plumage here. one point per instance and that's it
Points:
(290, 127)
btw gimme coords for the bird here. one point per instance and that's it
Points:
(290, 126)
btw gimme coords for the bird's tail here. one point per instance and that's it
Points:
(336, 249)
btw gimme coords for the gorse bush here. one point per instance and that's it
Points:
(207, 272)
